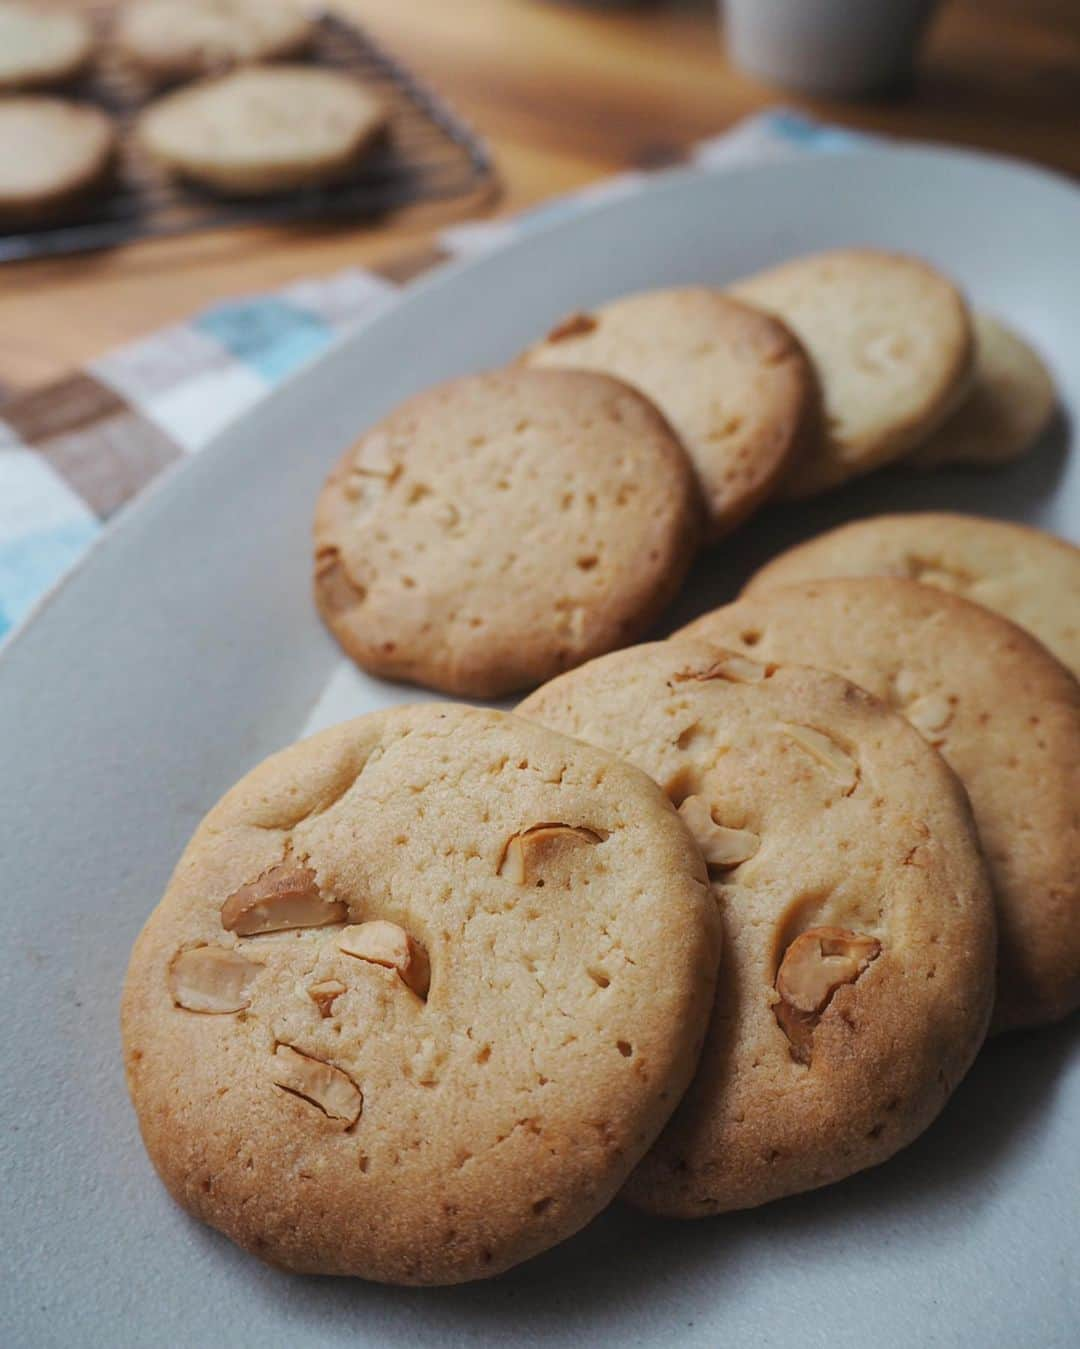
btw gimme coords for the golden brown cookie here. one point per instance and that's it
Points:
(891, 341)
(263, 129)
(1003, 712)
(1010, 405)
(858, 968)
(41, 45)
(51, 152)
(503, 527)
(733, 382)
(181, 39)
(420, 993)
(1025, 574)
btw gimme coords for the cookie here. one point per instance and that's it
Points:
(1025, 574)
(41, 46)
(420, 993)
(263, 129)
(500, 528)
(1004, 713)
(733, 382)
(181, 39)
(858, 968)
(51, 152)
(891, 341)
(1010, 405)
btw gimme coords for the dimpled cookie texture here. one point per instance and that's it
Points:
(503, 527)
(263, 128)
(733, 382)
(50, 151)
(858, 926)
(177, 39)
(891, 341)
(41, 46)
(1003, 712)
(421, 992)
(1009, 407)
(1025, 574)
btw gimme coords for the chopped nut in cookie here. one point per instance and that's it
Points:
(574, 325)
(286, 896)
(336, 588)
(211, 979)
(324, 994)
(930, 714)
(323, 1085)
(814, 966)
(734, 668)
(720, 846)
(839, 763)
(388, 945)
(544, 845)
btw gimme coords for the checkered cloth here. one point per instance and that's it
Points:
(73, 453)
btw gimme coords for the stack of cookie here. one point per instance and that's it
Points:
(245, 127)
(704, 923)
(507, 526)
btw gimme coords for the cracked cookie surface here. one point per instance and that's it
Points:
(498, 529)
(858, 965)
(478, 966)
(1004, 713)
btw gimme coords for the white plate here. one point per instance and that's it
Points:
(187, 648)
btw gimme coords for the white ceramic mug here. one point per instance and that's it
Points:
(840, 47)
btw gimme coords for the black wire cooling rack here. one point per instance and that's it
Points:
(429, 154)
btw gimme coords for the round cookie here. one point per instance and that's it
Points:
(1010, 404)
(858, 967)
(1005, 715)
(181, 39)
(733, 382)
(1025, 574)
(498, 529)
(420, 993)
(51, 151)
(891, 341)
(41, 46)
(263, 129)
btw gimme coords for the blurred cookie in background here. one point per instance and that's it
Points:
(181, 39)
(51, 153)
(41, 46)
(263, 129)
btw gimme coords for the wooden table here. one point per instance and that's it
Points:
(564, 95)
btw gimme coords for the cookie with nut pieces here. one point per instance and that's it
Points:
(859, 947)
(503, 527)
(1025, 574)
(180, 39)
(892, 343)
(1004, 713)
(421, 991)
(733, 382)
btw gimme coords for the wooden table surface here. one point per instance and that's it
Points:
(563, 95)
